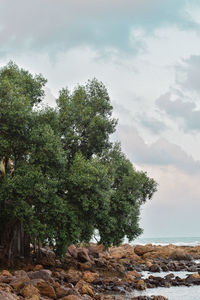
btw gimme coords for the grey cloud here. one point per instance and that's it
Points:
(59, 25)
(188, 73)
(161, 153)
(152, 124)
(180, 110)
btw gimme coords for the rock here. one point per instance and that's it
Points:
(34, 297)
(192, 269)
(149, 298)
(180, 255)
(148, 264)
(38, 267)
(7, 296)
(141, 250)
(84, 288)
(73, 251)
(135, 274)
(47, 257)
(124, 251)
(73, 275)
(62, 291)
(87, 289)
(5, 273)
(17, 283)
(131, 276)
(29, 290)
(141, 285)
(71, 297)
(89, 276)
(20, 273)
(93, 251)
(85, 266)
(154, 268)
(41, 274)
(86, 297)
(159, 298)
(83, 255)
(46, 289)
(196, 275)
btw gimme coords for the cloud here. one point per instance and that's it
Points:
(179, 109)
(59, 25)
(175, 207)
(154, 125)
(188, 73)
(159, 153)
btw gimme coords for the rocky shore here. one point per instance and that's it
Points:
(94, 273)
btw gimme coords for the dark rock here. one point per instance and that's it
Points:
(154, 268)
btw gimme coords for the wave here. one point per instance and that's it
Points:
(185, 241)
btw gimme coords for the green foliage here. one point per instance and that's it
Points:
(85, 119)
(63, 177)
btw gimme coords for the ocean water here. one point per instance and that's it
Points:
(172, 293)
(179, 241)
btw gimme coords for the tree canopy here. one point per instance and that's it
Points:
(61, 178)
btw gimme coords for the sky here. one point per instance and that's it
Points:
(147, 53)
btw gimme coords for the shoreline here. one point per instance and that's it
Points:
(92, 273)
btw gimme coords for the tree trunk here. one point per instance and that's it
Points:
(14, 243)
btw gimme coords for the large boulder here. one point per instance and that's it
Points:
(141, 250)
(180, 254)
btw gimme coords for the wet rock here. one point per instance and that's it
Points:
(154, 268)
(132, 275)
(192, 269)
(140, 285)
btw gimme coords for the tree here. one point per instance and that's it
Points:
(129, 190)
(28, 197)
(85, 119)
(60, 176)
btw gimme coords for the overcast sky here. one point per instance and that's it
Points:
(147, 53)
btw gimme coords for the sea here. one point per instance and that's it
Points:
(172, 293)
(178, 241)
